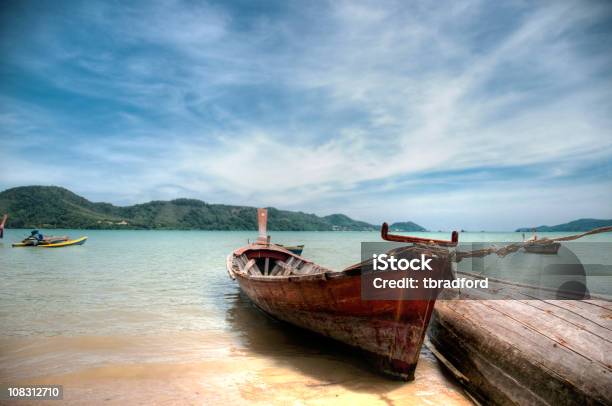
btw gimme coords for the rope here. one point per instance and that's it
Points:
(509, 249)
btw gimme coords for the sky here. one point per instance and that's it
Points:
(473, 115)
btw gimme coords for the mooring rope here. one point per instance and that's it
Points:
(509, 249)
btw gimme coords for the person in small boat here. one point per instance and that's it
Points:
(36, 237)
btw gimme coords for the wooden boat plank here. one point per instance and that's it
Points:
(500, 289)
(583, 342)
(484, 379)
(276, 269)
(287, 269)
(251, 268)
(519, 329)
(486, 340)
(590, 310)
(583, 322)
(599, 303)
(242, 260)
(597, 312)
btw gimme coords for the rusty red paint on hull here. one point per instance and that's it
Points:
(393, 331)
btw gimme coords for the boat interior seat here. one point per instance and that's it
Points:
(276, 267)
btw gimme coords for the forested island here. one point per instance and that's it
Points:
(57, 207)
(576, 225)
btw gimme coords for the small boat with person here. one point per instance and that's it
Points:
(36, 239)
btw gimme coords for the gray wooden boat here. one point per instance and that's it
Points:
(527, 352)
(535, 248)
(536, 336)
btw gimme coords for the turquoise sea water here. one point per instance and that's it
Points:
(138, 317)
(147, 281)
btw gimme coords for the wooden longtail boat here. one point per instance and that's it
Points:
(298, 291)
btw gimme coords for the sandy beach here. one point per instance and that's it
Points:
(148, 317)
(152, 317)
(214, 369)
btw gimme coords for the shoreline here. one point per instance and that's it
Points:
(236, 373)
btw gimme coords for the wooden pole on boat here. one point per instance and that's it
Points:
(2, 225)
(262, 221)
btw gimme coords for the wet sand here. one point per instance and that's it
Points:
(239, 376)
(258, 361)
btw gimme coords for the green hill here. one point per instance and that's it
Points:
(406, 226)
(345, 223)
(576, 225)
(56, 207)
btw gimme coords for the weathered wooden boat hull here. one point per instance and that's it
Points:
(527, 351)
(300, 292)
(391, 331)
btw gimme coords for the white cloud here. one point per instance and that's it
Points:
(373, 93)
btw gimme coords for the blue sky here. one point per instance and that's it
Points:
(450, 114)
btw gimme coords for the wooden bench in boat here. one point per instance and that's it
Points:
(271, 267)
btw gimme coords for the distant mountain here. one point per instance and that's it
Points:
(576, 225)
(343, 222)
(406, 226)
(56, 207)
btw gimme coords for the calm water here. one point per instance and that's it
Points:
(147, 299)
(136, 281)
